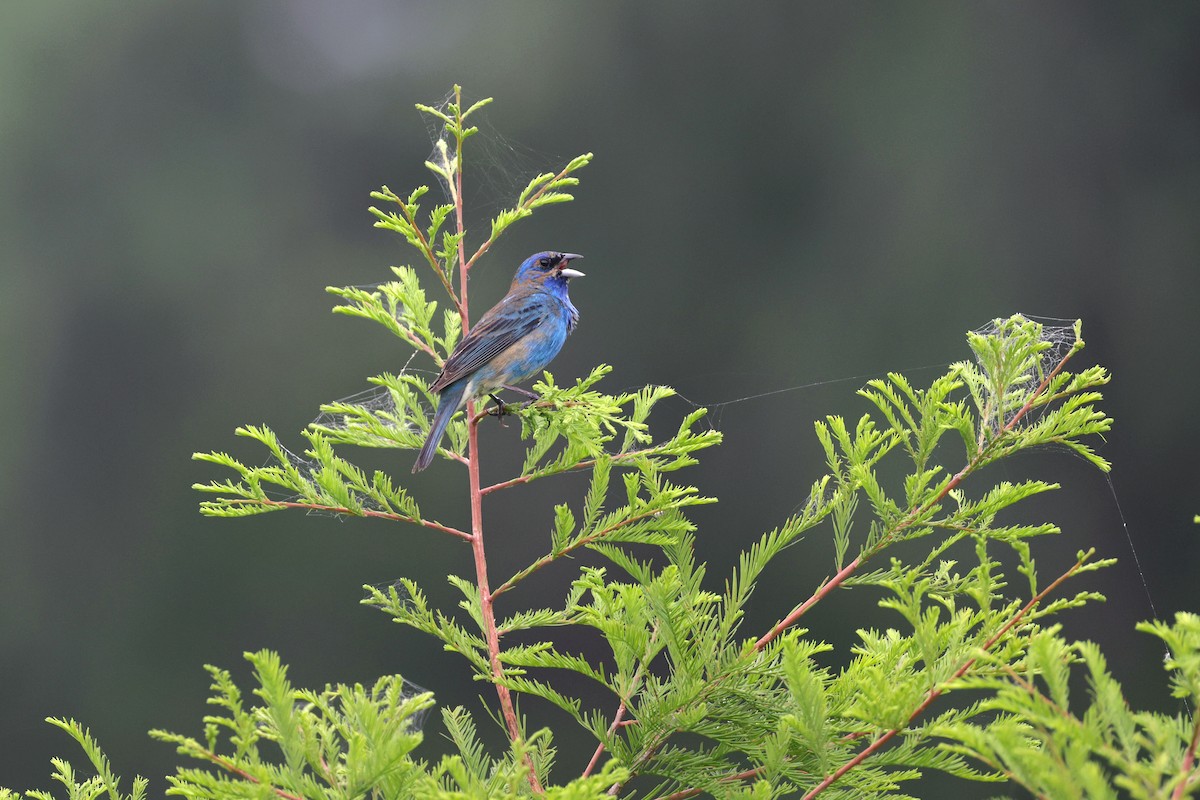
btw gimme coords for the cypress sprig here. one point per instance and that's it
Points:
(965, 669)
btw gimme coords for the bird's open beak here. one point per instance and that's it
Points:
(570, 273)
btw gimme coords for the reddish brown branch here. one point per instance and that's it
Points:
(619, 718)
(483, 248)
(487, 610)
(416, 342)
(578, 543)
(241, 773)
(366, 512)
(616, 723)
(591, 462)
(486, 596)
(1189, 760)
(799, 611)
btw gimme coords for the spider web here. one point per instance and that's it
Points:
(404, 597)
(377, 402)
(309, 469)
(1058, 337)
(408, 690)
(1057, 332)
(496, 168)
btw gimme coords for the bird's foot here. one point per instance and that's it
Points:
(500, 409)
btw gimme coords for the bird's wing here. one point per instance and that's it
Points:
(509, 321)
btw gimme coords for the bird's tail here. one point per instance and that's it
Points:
(448, 403)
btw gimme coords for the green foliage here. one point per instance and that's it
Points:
(323, 481)
(337, 744)
(967, 673)
(104, 782)
(1036, 738)
(400, 307)
(342, 742)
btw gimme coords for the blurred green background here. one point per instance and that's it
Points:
(783, 195)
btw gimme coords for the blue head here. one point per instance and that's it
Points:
(548, 269)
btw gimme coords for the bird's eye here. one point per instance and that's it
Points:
(544, 262)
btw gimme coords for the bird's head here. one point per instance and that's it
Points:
(549, 268)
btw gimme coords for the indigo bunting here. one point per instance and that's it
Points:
(510, 343)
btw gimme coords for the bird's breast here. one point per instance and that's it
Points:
(533, 353)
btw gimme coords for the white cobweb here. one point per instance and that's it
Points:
(379, 405)
(410, 689)
(379, 402)
(1057, 332)
(1057, 337)
(309, 468)
(400, 689)
(496, 168)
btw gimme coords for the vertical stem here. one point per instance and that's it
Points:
(481, 577)
(477, 549)
(1189, 758)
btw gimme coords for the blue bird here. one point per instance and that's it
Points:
(512, 342)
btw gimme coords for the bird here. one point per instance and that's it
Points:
(513, 341)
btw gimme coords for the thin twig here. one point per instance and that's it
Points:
(488, 412)
(550, 558)
(431, 257)
(684, 794)
(366, 512)
(591, 462)
(1037, 392)
(241, 773)
(820, 594)
(412, 339)
(616, 723)
(619, 716)
(487, 245)
(1189, 759)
